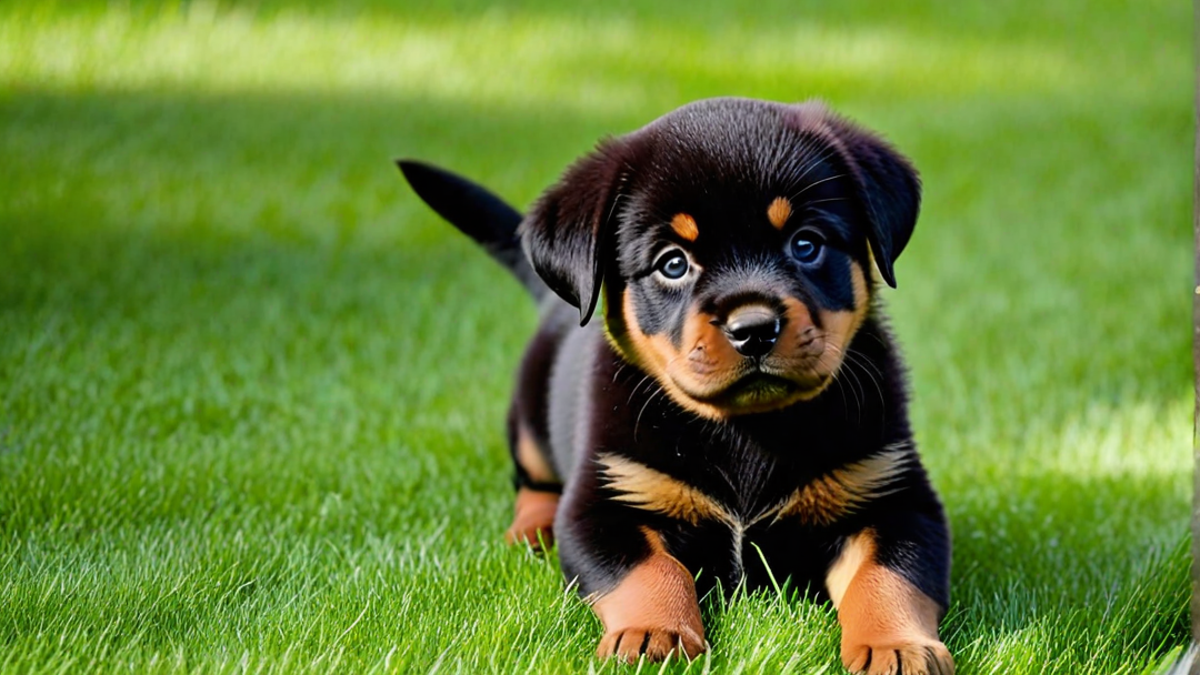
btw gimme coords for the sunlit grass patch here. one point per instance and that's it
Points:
(535, 58)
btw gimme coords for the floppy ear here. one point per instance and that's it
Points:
(891, 192)
(566, 230)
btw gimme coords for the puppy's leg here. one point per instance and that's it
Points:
(643, 595)
(533, 518)
(652, 610)
(889, 624)
(538, 489)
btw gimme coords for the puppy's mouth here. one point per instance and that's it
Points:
(758, 389)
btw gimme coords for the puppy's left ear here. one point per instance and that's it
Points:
(566, 230)
(891, 192)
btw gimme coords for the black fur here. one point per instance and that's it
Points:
(480, 215)
(604, 225)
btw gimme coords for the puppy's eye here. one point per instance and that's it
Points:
(806, 247)
(672, 265)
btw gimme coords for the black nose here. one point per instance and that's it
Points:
(752, 330)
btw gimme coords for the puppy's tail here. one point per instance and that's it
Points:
(479, 214)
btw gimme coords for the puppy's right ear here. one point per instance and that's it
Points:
(565, 232)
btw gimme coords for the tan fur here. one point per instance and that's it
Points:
(655, 354)
(888, 625)
(704, 368)
(532, 459)
(801, 349)
(778, 212)
(685, 226)
(839, 329)
(655, 604)
(650, 490)
(835, 495)
(856, 550)
(695, 375)
(822, 502)
(533, 518)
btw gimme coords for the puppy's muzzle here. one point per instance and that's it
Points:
(753, 330)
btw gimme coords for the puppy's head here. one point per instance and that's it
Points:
(734, 240)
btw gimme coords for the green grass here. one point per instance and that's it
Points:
(252, 392)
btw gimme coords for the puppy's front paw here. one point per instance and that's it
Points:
(656, 644)
(920, 657)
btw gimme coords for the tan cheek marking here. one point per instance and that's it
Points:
(685, 226)
(637, 345)
(862, 293)
(840, 327)
(801, 342)
(654, 604)
(799, 325)
(532, 459)
(778, 212)
(797, 311)
(842, 491)
(650, 490)
(653, 354)
(533, 518)
(709, 356)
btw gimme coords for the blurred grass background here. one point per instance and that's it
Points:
(252, 391)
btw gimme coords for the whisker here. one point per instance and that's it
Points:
(816, 183)
(841, 387)
(864, 360)
(637, 422)
(808, 169)
(860, 388)
(633, 392)
(856, 386)
(856, 359)
(827, 199)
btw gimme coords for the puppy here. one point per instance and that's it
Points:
(740, 412)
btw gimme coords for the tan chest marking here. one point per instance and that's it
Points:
(642, 487)
(844, 490)
(822, 502)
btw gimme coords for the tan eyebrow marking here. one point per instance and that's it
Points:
(685, 226)
(779, 211)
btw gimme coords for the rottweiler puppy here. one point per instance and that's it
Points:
(741, 410)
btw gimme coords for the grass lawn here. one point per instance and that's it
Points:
(252, 391)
